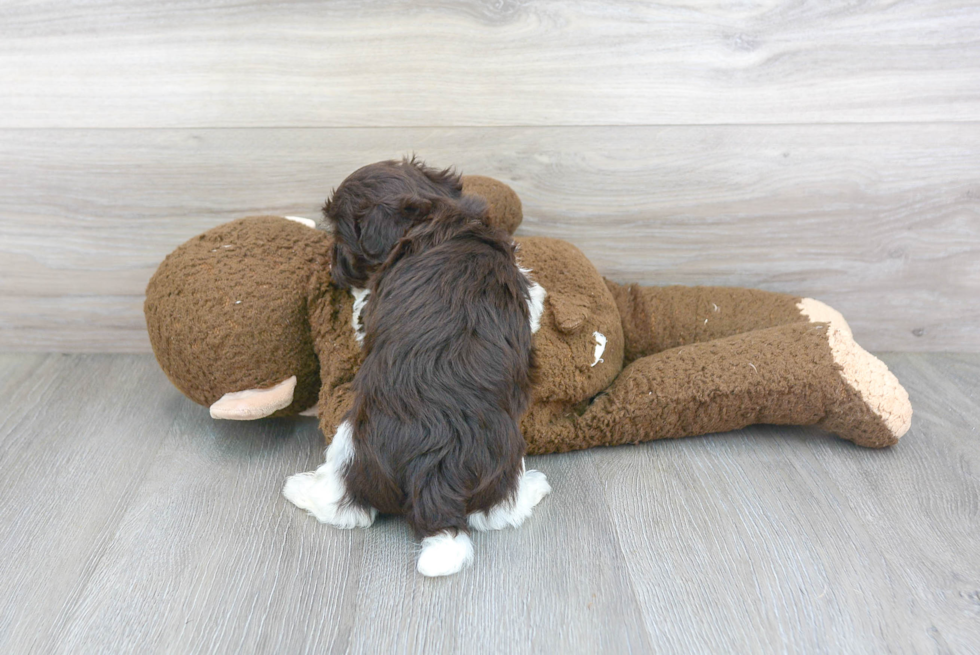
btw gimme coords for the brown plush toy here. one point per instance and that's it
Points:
(244, 319)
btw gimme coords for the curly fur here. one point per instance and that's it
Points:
(448, 361)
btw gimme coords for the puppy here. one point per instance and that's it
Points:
(433, 433)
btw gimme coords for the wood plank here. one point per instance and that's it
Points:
(76, 435)
(589, 62)
(558, 584)
(131, 522)
(790, 540)
(880, 221)
(210, 557)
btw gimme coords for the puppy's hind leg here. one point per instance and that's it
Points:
(323, 492)
(533, 486)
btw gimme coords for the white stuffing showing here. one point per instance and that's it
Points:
(600, 347)
(445, 554)
(308, 222)
(321, 492)
(360, 299)
(532, 488)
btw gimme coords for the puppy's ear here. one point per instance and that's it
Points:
(343, 269)
(414, 208)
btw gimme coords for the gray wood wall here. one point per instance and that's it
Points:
(828, 149)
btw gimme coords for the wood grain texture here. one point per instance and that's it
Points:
(593, 62)
(880, 221)
(837, 548)
(76, 437)
(131, 522)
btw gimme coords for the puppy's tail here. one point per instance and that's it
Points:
(437, 513)
(433, 505)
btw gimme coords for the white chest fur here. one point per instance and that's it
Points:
(360, 299)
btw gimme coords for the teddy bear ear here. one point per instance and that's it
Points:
(570, 310)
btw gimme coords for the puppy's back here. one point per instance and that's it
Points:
(446, 376)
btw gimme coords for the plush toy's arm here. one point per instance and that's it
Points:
(503, 203)
(339, 355)
(658, 318)
(803, 373)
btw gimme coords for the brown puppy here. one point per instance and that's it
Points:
(433, 433)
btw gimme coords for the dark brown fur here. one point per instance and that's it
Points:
(372, 209)
(448, 360)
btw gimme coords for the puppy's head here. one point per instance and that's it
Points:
(374, 207)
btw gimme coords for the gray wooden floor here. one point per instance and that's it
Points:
(131, 522)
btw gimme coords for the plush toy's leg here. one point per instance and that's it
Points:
(531, 489)
(322, 492)
(660, 318)
(797, 374)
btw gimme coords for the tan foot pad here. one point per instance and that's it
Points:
(819, 312)
(253, 404)
(877, 387)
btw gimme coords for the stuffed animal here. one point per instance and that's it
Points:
(244, 319)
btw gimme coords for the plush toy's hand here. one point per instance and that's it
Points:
(332, 325)
(571, 311)
(504, 204)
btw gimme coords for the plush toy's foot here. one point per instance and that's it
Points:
(445, 554)
(871, 408)
(253, 404)
(818, 312)
(533, 488)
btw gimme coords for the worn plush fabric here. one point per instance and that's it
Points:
(250, 303)
(505, 205)
(227, 310)
(659, 318)
(781, 375)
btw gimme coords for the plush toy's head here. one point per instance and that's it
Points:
(227, 310)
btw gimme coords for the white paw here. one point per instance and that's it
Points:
(322, 495)
(297, 488)
(870, 377)
(444, 554)
(533, 487)
(537, 486)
